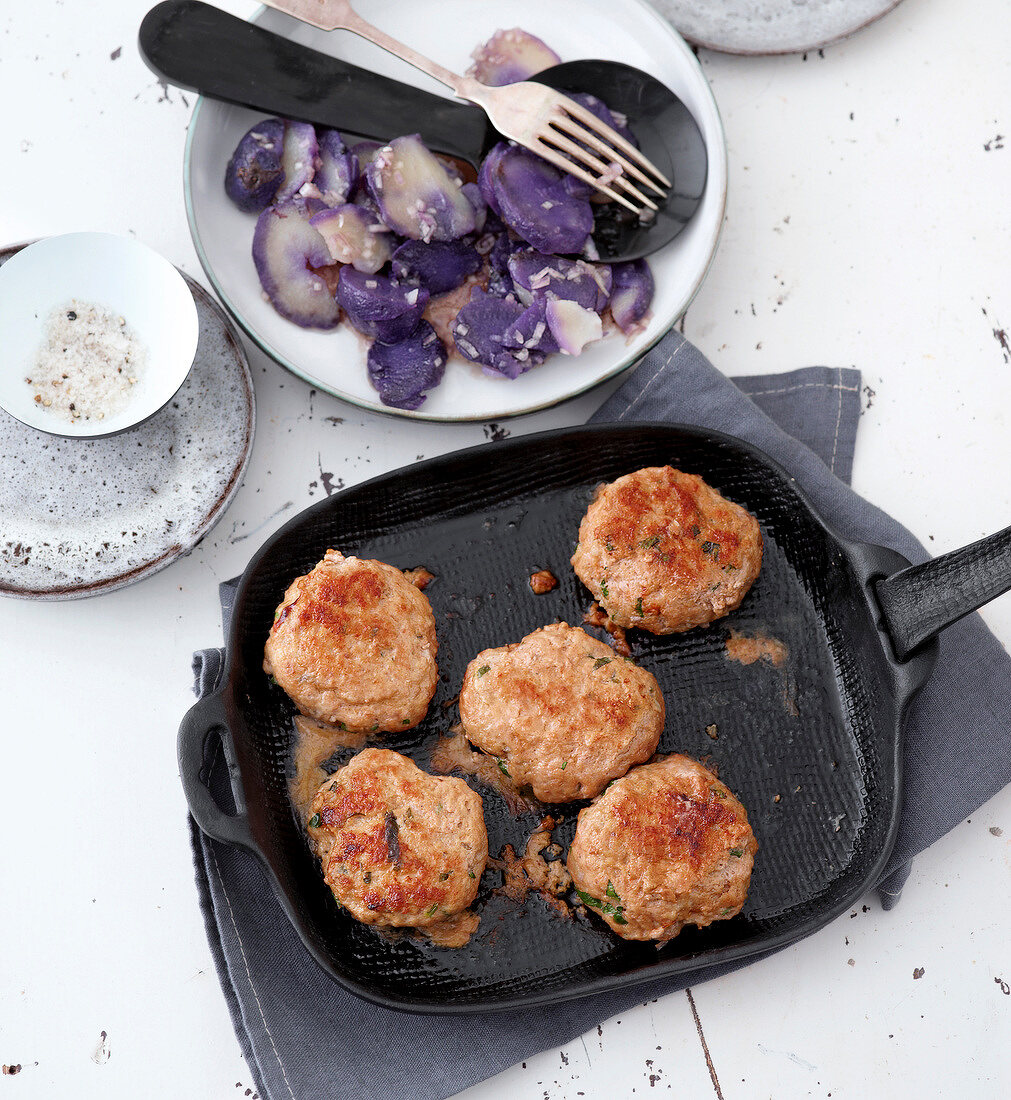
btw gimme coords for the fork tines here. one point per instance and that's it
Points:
(571, 128)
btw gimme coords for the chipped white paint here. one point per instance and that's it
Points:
(102, 1052)
(888, 268)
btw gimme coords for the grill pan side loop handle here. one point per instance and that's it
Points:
(193, 45)
(204, 719)
(919, 602)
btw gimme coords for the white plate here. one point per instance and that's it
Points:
(447, 30)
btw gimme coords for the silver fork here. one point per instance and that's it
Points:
(543, 120)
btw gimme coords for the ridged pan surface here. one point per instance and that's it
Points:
(808, 747)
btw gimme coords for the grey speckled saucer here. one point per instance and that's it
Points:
(770, 26)
(84, 516)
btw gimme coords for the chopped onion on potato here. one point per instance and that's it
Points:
(354, 236)
(403, 371)
(378, 307)
(254, 171)
(509, 56)
(416, 196)
(378, 230)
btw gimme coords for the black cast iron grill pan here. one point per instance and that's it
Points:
(811, 749)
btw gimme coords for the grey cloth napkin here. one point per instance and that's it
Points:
(304, 1036)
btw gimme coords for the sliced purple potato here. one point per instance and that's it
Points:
(378, 307)
(439, 267)
(403, 371)
(484, 175)
(535, 204)
(335, 179)
(415, 194)
(365, 151)
(361, 196)
(254, 172)
(572, 326)
(452, 169)
(286, 252)
(535, 274)
(336, 169)
(354, 236)
(578, 189)
(309, 204)
(500, 282)
(509, 56)
(298, 159)
(631, 293)
(489, 235)
(476, 199)
(331, 143)
(479, 334)
(531, 330)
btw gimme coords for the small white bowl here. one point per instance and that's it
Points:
(119, 274)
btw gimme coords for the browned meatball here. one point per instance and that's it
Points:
(663, 551)
(563, 712)
(399, 847)
(353, 644)
(667, 845)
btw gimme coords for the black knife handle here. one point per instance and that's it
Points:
(195, 46)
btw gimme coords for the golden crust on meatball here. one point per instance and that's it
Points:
(667, 845)
(662, 550)
(399, 847)
(353, 644)
(562, 712)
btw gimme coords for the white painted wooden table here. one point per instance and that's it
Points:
(867, 226)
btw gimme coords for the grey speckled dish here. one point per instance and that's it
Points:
(84, 516)
(770, 26)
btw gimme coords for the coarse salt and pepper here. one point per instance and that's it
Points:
(88, 364)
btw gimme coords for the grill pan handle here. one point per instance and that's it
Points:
(204, 719)
(919, 602)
